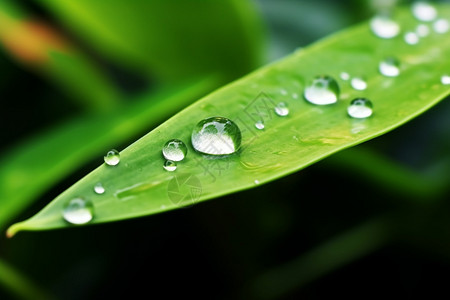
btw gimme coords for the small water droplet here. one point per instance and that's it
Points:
(295, 95)
(389, 67)
(170, 165)
(441, 26)
(78, 211)
(445, 79)
(174, 150)
(344, 76)
(283, 92)
(112, 158)
(216, 136)
(423, 11)
(259, 125)
(99, 189)
(384, 27)
(322, 90)
(360, 108)
(411, 38)
(358, 83)
(281, 109)
(422, 30)
(256, 181)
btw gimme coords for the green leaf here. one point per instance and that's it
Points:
(33, 166)
(139, 185)
(169, 39)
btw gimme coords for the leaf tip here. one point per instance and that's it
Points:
(12, 230)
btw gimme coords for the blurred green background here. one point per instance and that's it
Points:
(71, 71)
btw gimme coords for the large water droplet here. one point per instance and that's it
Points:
(358, 83)
(170, 165)
(360, 108)
(322, 90)
(112, 158)
(411, 38)
(389, 67)
(384, 27)
(174, 150)
(281, 109)
(259, 125)
(216, 136)
(423, 11)
(78, 211)
(99, 189)
(445, 79)
(441, 26)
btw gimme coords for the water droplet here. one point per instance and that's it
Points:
(78, 211)
(283, 92)
(256, 181)
(360, 108)
(423, 11)
(99, 189)
(322, 90)
(344, 76)
(112, 158)
(295, 95)
(174, 150)
(259, 125)
(445, 79)
(441, 26)
(389, 67)
(170, 165)
(422, 30)
(384, 27)
(216, 136)
(281, 109)
(411, 38)
(358, 83)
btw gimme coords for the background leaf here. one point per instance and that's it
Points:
(138, 185)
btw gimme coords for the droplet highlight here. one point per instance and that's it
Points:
(445, 79)
(216, 136)
(322, 90)
(360, 108)
(358, 83)
(112, 158)
(344, 76)
(260, 125)
(441, 26)
(99, 189)
(170, 165)
(422, 30)
(411, 38)
(78, 211)
(384, 27)
(174, 150)
(281, 109)
(423, 11)
(389, 67)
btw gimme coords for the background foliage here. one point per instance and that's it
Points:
(337, 227)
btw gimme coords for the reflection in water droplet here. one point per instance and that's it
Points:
(78, 211)
(170, 165)
(360, 108)
(384, 27)
(112, 158)
(344, 76)
(281, 109)
(441, 26)
(259, 125)
(322, 90)
(99, 189)
(423, 11)
(358, 83)
(174, 150)
(216, 136)
(389, 67)
(411, 38)
(445, 79)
